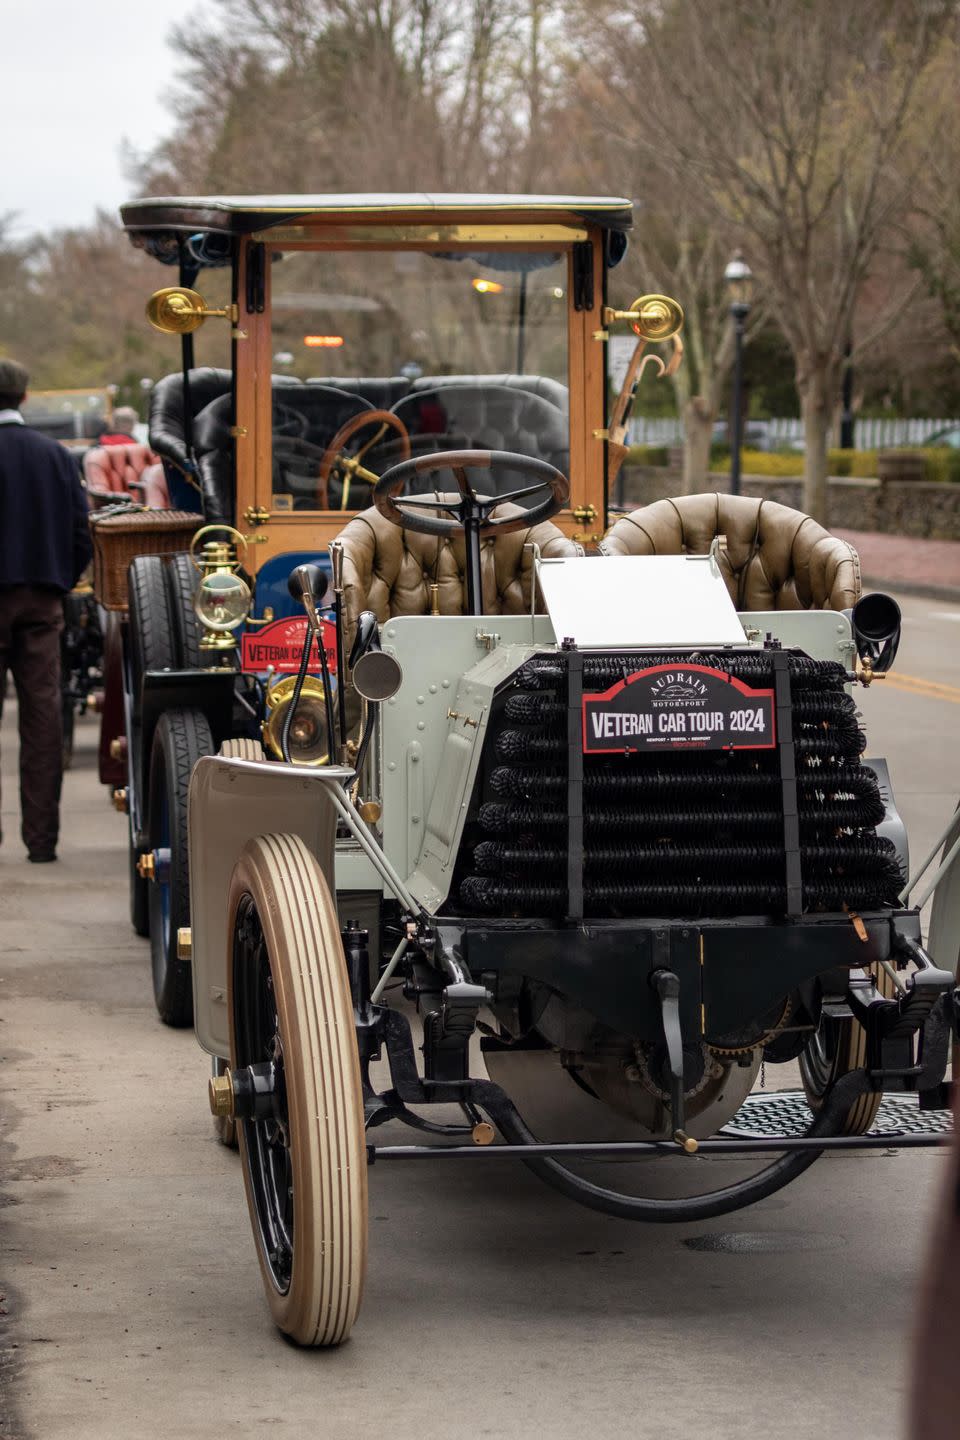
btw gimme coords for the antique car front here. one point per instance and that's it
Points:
(628, 843)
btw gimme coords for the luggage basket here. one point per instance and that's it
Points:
(119, 536)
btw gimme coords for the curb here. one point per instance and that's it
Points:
(949, 593)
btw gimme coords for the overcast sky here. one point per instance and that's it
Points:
(77, 78)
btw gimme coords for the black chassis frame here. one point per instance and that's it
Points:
(650, 978)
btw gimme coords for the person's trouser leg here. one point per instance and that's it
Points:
(5, 649)
(36, 673)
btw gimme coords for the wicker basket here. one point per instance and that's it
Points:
(120, 538)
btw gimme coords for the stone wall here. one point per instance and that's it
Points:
(930, 510)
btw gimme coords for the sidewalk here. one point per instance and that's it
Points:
(916, 567)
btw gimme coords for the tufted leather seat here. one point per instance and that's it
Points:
(111, 471)
(774, 558)
(390, 571)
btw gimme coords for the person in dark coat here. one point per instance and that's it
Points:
(44, 548)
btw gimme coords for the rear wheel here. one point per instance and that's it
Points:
(839, 1045)
(179, 741)
(182, 579)
(305, 1169)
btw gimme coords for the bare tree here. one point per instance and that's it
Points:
(801, 127)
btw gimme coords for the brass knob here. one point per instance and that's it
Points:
(370, 811)
(686, 1142)
(119, 798)
(118, 747)
(147, 866)
(220, 1095)
(483, 1133)
(184, 943)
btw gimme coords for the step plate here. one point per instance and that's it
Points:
(785, 1114)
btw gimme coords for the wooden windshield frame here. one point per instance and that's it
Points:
(279, 531)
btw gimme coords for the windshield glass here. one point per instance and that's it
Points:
(381, 355)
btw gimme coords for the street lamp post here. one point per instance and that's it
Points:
(739, 280)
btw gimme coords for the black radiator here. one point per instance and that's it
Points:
(675, 833)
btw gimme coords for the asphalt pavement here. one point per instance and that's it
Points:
(132, 1302)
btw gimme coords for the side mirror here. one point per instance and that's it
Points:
(876, 623)
(377, 676)
(175, 310)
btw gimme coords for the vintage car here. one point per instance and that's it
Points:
(593, 832)
(467, 321)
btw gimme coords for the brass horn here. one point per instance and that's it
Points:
(652, 317)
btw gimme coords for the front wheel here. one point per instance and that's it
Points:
(179, 741)
(304, 1169)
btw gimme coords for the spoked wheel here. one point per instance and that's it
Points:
(180, 739)
(839, 1045)
(304, 1168)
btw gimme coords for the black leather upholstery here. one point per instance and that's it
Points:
(484, 417)
(495, 412)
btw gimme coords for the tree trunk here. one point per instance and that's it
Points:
(816, 401)
(698, 432)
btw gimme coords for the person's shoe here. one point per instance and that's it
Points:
(41, 857)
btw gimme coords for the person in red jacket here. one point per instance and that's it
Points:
(44, 548)
(124, 419)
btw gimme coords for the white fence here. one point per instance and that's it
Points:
(788, 433)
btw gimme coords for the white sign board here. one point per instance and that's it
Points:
(631, 602)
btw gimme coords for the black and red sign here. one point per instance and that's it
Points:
(678, 707)
(279, 646)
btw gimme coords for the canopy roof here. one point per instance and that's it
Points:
(242, 214)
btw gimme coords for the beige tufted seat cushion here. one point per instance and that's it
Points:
(774, 558)
(390, 570)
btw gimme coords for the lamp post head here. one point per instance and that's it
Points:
(739, 281)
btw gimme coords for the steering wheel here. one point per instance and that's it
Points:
(471, 511)
(350, 465)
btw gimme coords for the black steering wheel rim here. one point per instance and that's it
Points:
(476, 507)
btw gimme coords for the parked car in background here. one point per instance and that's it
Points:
(756, 434)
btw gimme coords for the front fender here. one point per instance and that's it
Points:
(230, 802)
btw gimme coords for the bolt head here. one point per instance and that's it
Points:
(220, 1095)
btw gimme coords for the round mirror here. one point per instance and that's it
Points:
(176, 310)
(377, 676)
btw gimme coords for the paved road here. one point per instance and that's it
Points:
(494, 1307)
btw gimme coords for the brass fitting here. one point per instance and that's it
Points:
(483, 1133)
(687, 1144)
(370, 811)
(147, 866)
(118, 747)
(119, 798)
(220, 1095)
(184, 943)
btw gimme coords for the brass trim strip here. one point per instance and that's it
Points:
(386, 235)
